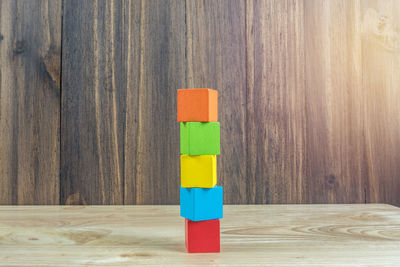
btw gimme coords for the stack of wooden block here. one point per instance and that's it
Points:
(200, 197)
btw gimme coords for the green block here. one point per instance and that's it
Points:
(200, 138)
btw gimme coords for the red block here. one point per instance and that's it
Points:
(202, 236)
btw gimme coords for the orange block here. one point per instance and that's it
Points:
(197, 105)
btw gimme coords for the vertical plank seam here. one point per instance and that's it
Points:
(127, 42)
(15, 120)
(306, 196)
(114, 107)
(364, 152)
(246, 93)
(128, 79)
(304, 180)
(139, 96)
(60, 104)
(186, 40)
(97, 100)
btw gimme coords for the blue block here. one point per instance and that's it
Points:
(200, 204)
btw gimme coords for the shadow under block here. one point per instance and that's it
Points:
(200, 138)
(197, 105)
(199, 171)
(203, 236)
(200, 204)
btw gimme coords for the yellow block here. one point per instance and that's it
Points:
(198, 171)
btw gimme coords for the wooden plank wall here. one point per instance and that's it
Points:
(30, 52)
(308, 94)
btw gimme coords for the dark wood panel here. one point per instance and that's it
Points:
(93, 102)
(308, 97)
(156, 62)
(333, 102)
(292, 100)
(380, 22)
(275, 102)
(216, 58)
(120, 135)
(30, 39)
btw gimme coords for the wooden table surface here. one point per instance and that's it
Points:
(265, 235)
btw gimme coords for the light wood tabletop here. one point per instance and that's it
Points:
(252, 235)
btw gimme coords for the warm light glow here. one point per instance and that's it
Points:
(381, 27)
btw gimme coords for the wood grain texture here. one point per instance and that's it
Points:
(275, 119)
(156, 62)
(216, 58)
(380, 24)
(308, 99)
(93, 102)
(255, 235)
(333, 102)
(30, 40)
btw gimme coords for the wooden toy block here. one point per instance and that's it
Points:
(203, 236)
(199, 171)
(197, 105)
(200, 138)
(200, 204)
